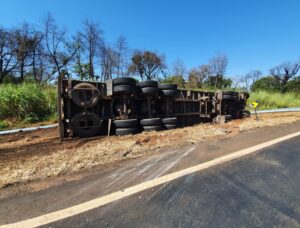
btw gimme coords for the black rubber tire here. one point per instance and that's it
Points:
(149, 91)
(148, 83)
(126, 131)
(170, 121)
(228, 117)
(227, 93)
(124, 81)
(171, 126)
(91, 129)
(151, 122)
(227, 97)
(169, 93)
(235, 97)
(153, 128)
(167, 86)
(126, 123)
(124, 90)
(77, 94)
(246, 113)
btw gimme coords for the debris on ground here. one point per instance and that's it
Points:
(30, 156)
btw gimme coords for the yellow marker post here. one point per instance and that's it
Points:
(254, 105)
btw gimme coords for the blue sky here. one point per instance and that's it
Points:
(254, 34)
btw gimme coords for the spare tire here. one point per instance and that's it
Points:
(148, 83)
(169, 121)
(169, 93)
(86, 124)
(124, 81)
(85, 94)
(149, 90)
(126, 123)
(124, 89)
(168, 86)
(151, 122)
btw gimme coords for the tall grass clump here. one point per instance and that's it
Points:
(27, 102)
(271, 100)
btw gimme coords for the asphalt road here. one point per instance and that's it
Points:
(259, 190)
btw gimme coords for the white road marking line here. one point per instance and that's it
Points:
(98, 202)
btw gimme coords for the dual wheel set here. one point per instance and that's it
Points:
(128, 86)
(232, 95)
(133, 126)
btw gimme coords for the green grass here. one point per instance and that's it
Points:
(25, 104)
(272, 100)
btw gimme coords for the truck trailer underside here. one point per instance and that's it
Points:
(123, 106)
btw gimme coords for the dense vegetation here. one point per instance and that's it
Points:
(272, 100)
(26, 103)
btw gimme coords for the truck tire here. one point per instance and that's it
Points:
(171, 126)
(246, 113)
(126, 123)
(124, 81)
(227, 97)
(170, 121)
(86, 124)
(149, 91)
(228, 117)
(148, 83)
(126, 131)
(167, 86)
(151, 122)
(85, 94)
(124, 90)
(152, 128)
(227, 93)
(169, 93)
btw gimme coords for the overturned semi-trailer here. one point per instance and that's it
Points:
(124, 106)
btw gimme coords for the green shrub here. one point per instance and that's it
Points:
(271, 100)
(27, 102)
(3, 125)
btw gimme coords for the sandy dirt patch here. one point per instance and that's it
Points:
(37, 155)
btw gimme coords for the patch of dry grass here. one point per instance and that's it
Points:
(116, 148)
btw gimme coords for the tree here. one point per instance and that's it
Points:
(121, 56)
(58, 48)
(179, 69)
(108, 63)
(251, 77)
(284, 72)
(178, 80)
(294, 85)
(23, 45)
(193, 79)
(8, 50)
(91, 42)
(267, 84)
(147, 64)
(218, 66)
(37, 55)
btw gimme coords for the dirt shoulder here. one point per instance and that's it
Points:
(32, 156)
